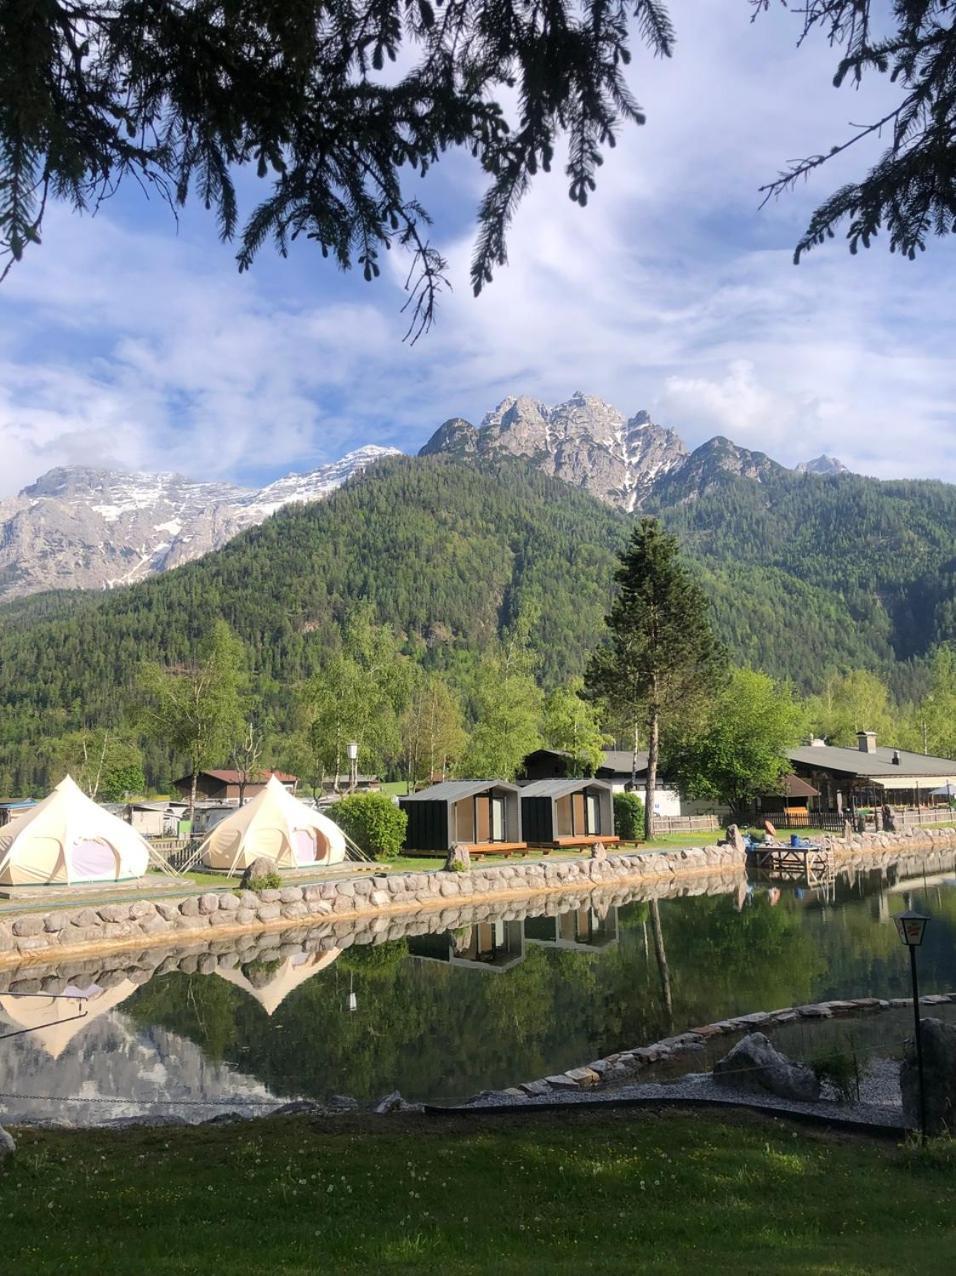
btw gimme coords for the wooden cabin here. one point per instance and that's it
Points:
(565, 813)
(580, 928)
(482, 815)
(493, 946)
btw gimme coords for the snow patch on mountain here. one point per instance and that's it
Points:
(77, 527)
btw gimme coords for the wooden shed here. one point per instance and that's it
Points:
(559, 813)
(483, 815)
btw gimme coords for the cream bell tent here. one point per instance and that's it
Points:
(53, 1022)
(272, 990)
(277, 825)
(67, 838)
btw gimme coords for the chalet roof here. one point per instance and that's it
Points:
(619, 761)
(830, 757)
(455, 790)
(792, 786)
(236, 777)
(561, 788)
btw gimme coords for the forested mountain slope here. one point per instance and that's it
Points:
(806, 573)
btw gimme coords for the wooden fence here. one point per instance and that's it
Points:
(686, 823)
(176, 851)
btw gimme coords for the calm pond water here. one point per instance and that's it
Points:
(442, 1015)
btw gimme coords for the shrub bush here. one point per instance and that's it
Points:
(628, 817)
(265, 882)
(839, 1065)
(373, 822)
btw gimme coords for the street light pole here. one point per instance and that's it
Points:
(919, 1045)
(912, 927)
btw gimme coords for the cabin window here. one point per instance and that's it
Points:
(593, 814)
(497, 819)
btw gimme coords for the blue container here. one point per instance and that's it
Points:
(794, 839)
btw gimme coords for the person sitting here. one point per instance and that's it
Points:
(771, 834)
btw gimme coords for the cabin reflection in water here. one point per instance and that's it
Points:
(488, 946)
(584, 928)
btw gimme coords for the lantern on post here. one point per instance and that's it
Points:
(911, 927)
(352, 750)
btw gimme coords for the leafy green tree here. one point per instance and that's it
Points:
(180, 98)
(929, 726)
(738, 753)
(196, 708)
(848, 703)
(373, 822)
(359, 696)
(507, 706)
(105, 762)
(122, 780)
(433, 733)
(662, 657)
(573, 724)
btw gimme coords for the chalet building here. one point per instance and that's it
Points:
(492, 946)
(224, 786)
(870, 774)
(794, 801)
(558, 813)
(484, 815)
(615, 770)
(12, 808)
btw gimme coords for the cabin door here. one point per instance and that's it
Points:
(578, 816)
(497, 819)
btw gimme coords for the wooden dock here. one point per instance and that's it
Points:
(807, 865)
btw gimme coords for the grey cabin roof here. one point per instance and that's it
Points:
(455, 790)
(831, 757)
(560, 788)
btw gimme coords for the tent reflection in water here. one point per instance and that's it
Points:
(68, 838)
(270, 985)
(275, 825)
(53, 1022)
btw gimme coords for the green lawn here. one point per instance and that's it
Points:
(631, 1192)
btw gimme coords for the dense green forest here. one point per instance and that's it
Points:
(807, 575)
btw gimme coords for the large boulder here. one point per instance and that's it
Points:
(939, 1071)
(7, 1145)
(754, 1064)
(458, 859)
(260, 867)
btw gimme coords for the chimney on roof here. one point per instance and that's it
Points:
(866, 740)
(896, 757)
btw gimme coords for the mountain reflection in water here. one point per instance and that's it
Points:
(573, 978)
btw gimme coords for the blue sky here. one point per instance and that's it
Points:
(127, 342)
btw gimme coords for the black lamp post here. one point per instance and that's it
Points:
(912, 927)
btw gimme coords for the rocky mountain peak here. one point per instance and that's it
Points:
(823, 465)
(585, 441)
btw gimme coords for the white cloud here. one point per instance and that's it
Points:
(670, 291)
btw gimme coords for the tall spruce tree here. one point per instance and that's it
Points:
(661, 656)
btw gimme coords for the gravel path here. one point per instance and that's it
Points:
(879, 1102)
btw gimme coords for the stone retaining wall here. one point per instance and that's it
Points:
(626, 1064)
(31, 936)
(55, 969)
